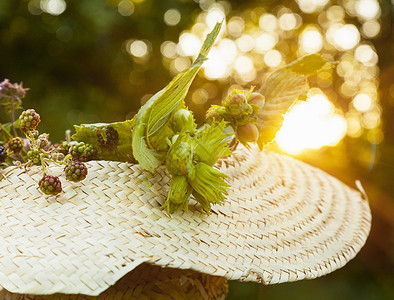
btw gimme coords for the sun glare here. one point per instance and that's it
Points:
(311, 125)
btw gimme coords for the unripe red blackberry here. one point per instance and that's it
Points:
(3, 154)
(76, 171)
(50, 185)
(82, 151)
(28, 120)
(15, 144)
(78, 149)
(34, 156)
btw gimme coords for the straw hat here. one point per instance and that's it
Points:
(283, 220)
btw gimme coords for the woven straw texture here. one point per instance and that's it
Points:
(283, 221)
(148, 282)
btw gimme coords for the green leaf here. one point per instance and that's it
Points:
(307, 65)
(149, 159)
(158, 110)
(280, 90)
(211, 143)
(175, 92)
(88, 133)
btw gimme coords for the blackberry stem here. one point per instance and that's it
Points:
(13, 117)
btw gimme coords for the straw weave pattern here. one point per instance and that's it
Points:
(283, 221)
(149, 282)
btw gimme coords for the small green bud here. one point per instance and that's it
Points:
(34, 156)
(183, 120)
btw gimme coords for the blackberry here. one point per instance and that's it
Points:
(64, 148)
(78, 149)
(82, 151)
(50, 185)
(76, 171)
(100, 138)
(112, 137)
(90, 152)
(34, 156)
(15, 144)
(28, 120)
(3, 154)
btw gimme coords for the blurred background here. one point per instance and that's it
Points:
(98, 61)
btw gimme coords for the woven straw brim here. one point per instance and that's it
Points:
(149, 282)
(283, 221)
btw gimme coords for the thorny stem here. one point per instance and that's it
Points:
(13, 116)
(68, 136)
(42, 158)
(6, 131)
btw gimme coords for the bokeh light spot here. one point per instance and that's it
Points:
(214, 15)
(311, 6)
(335, 13)
(168, 49)
(273, 58)
(215, 67)
(362, 102)
(370, 29)
(126, 8)
(172, 17)
(236, 26)
(200, 96)
(138, 48)
(268, 22)
(189, 44)
(245, 43)
(311, 124)
(53, 7)
(370, 120)
(179, 64)
(366, 55)
(311, 40)
(228, 50)
(367, 9)
(287, 22)
(346, 37)
(265, 42)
